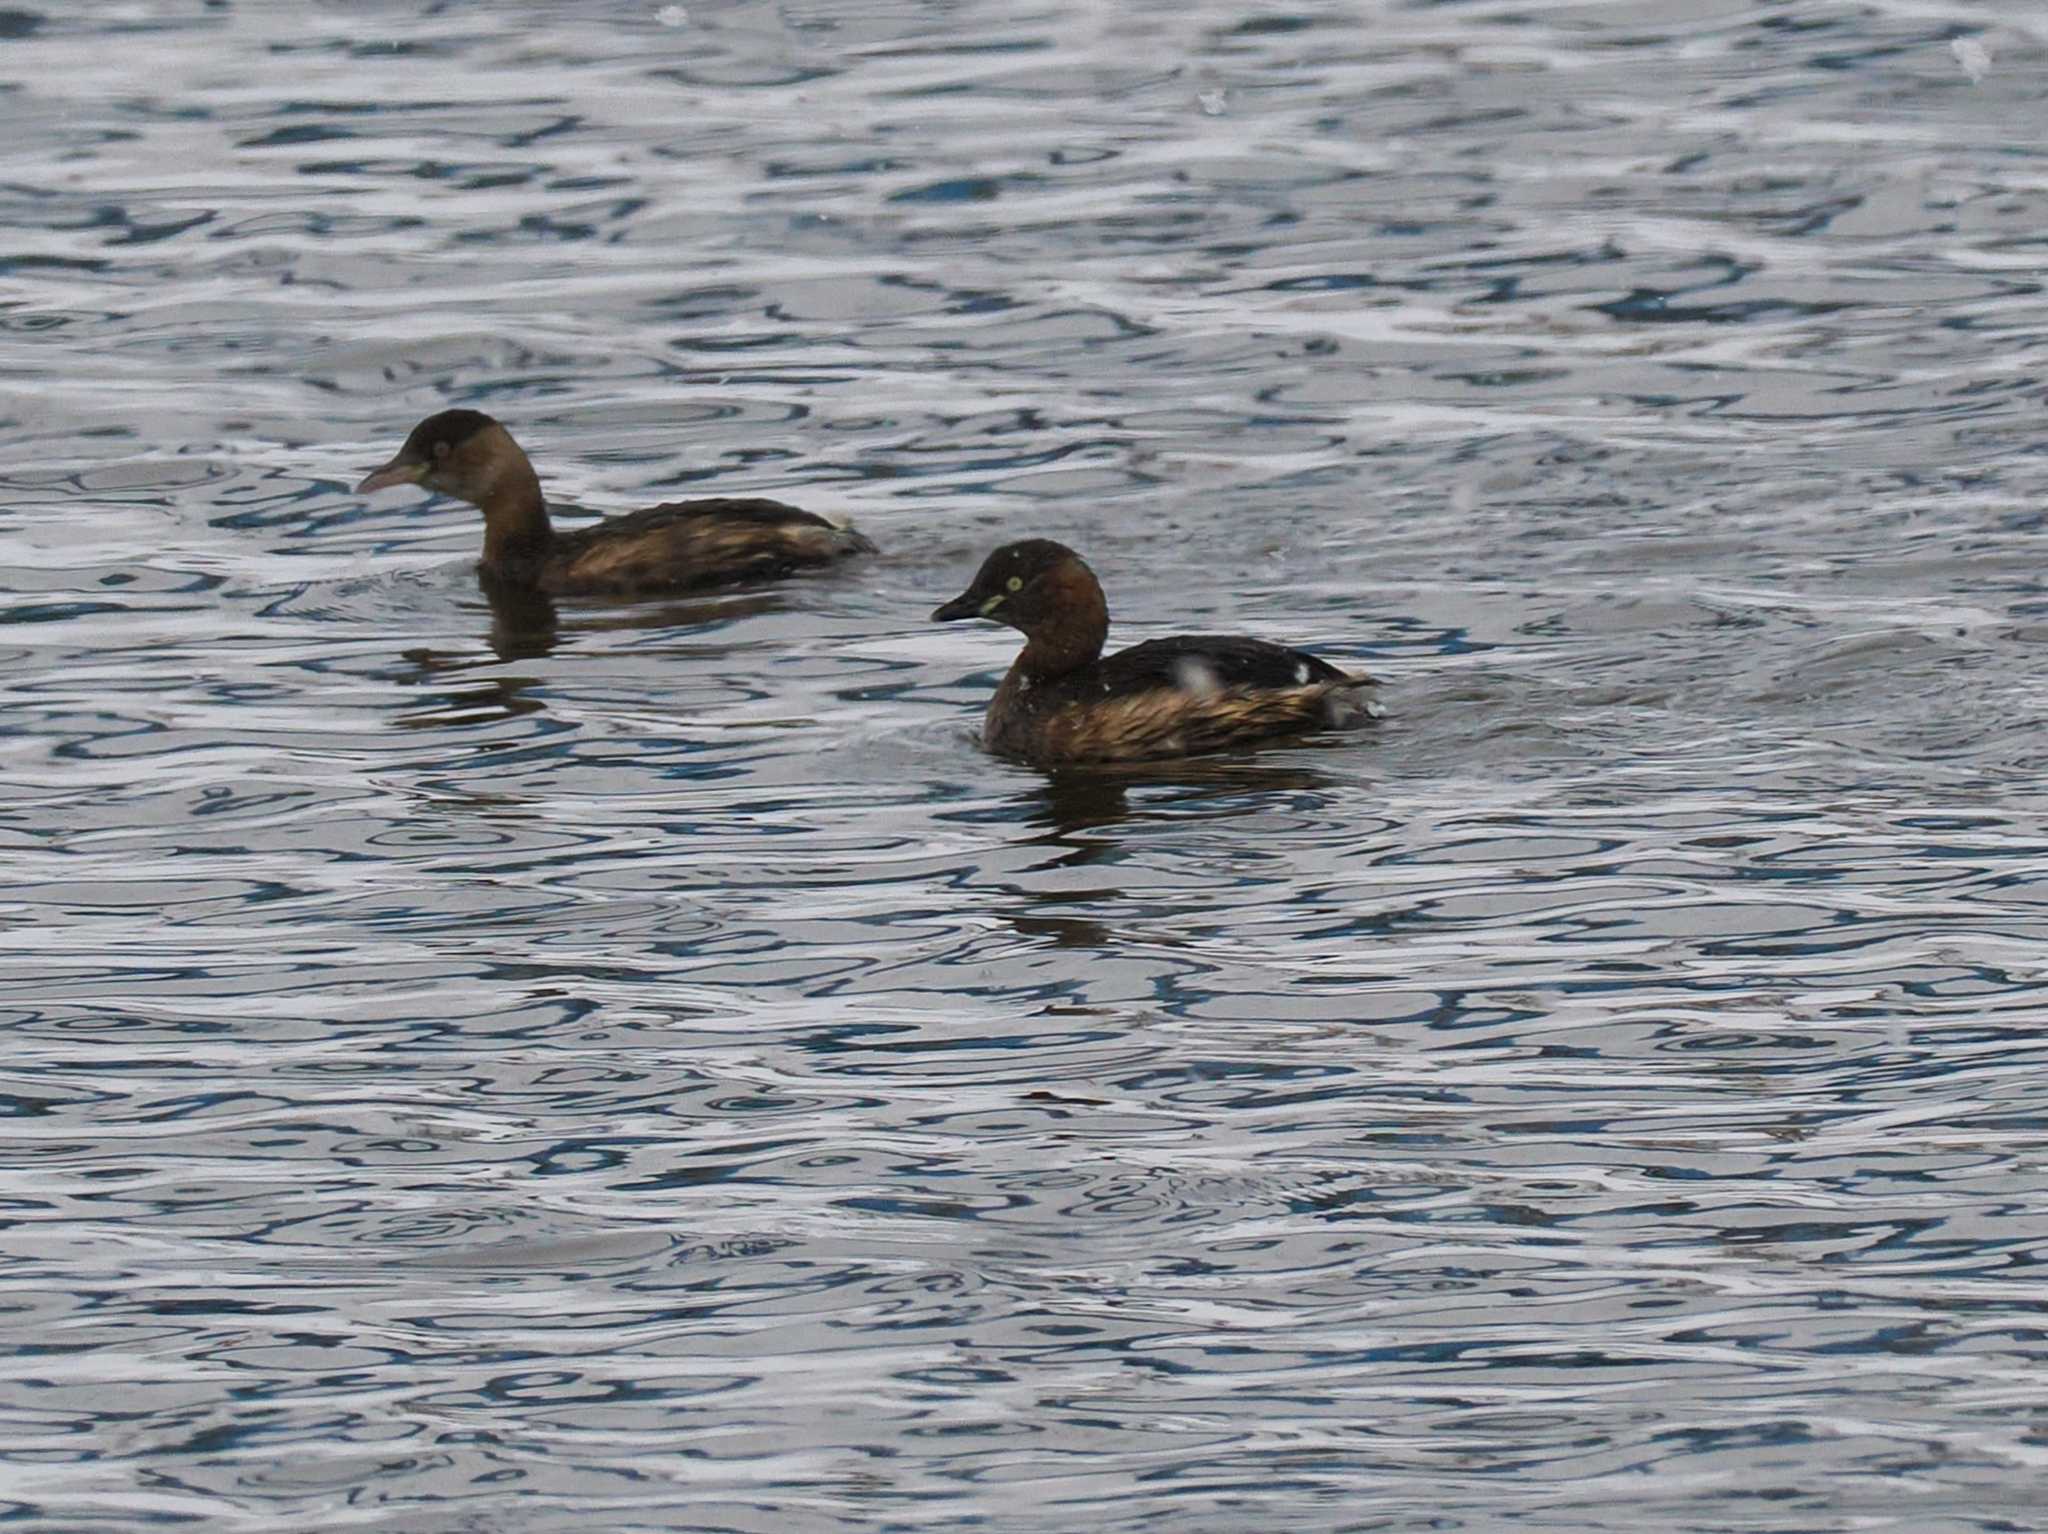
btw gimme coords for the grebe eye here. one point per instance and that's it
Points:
(441, 449)
(1016, 583)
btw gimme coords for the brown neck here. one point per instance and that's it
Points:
(1071, 632)
(516, 527)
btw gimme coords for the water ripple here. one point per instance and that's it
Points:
(478, 1063)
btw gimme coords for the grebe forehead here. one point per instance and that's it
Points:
(439, 435)
(1023, 562)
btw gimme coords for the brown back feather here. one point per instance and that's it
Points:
(1162, 722)
(696, 543)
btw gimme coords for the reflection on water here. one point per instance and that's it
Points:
(524, 623)
(479, 1063)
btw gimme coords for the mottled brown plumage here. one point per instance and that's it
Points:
(1063, 701)
(678, 546)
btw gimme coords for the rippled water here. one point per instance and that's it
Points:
(640, 1067)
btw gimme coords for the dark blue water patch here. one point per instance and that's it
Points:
(1651, 306)
(23, 264)
(297, 133)
(1262, 26)
(860, 166)
(780, 76)
(966, 189)
(467, 175)
(54, 612)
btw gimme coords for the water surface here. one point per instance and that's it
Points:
(641, 1067)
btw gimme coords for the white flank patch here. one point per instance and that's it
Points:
(1350, 706)
(1191, 675)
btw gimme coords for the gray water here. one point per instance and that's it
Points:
(641, 1067)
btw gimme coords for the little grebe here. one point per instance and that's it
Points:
(1064, 701)
(673, 547)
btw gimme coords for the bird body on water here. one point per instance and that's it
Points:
(678, 546)
(1064, 701)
